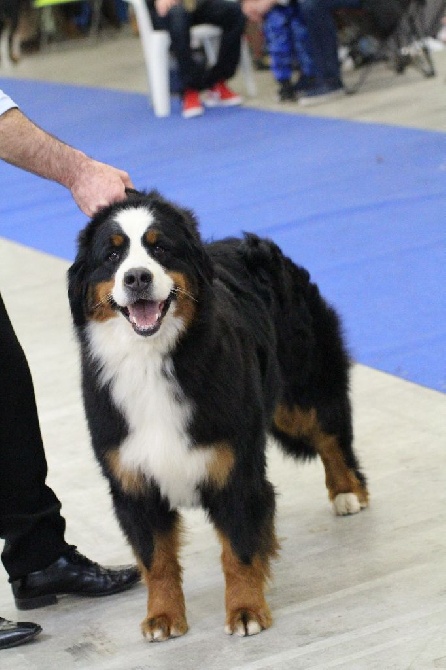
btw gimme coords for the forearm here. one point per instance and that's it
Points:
(27, 146)
(92, 184)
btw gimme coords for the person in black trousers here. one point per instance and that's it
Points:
(177, 17)
(40, 563)
(318, 15)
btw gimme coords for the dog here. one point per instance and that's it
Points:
(192, 354)
(10, 38)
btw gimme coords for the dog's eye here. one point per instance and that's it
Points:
(158, 251)
(113, 256)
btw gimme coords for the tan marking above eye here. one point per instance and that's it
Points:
(152, 236)
(117, 240)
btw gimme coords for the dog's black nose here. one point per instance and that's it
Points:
(138, 279)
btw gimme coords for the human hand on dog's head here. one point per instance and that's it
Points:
(96, 185)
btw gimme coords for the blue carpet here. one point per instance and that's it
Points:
(360, 205)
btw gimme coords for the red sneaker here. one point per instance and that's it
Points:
(192, 104)
(220, 94)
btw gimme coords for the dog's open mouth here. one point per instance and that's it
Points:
(146, 316)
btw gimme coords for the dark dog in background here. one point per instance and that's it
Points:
(192, 354)
(10, 39)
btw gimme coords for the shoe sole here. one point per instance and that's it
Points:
(223, 103)
(53, 598)
(35, 603)
(23, 640)
(197, 111)
(311, 101)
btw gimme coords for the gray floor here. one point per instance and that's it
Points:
(365, 592)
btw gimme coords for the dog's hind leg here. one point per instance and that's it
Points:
(302, 433)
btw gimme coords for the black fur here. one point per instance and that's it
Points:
(261, 336)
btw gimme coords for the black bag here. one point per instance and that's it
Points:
(385, 14)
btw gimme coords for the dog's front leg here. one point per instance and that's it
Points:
(154, 532)
(247, 612)
(248, 543)
(166, 610)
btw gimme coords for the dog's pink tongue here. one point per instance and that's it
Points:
(144, 313)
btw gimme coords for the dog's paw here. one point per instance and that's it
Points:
(348, 503)
(244, 622)
(162, 627)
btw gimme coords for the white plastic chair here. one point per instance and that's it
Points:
(155, 46)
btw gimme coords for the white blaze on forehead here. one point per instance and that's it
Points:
(134, 223)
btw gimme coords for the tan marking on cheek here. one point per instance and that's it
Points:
(166, 609)
(98, 301)
(221, 465)
(132, 482)
(245, 588)
(152, 236)
(117, 240)
(185, 304)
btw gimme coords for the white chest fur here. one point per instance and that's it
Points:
(146, 392)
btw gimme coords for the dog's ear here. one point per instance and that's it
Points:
(198, 253)
(77, 284)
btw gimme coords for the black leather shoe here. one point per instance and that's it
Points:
(14, 633)
(74, 574)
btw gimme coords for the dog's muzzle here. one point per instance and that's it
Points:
(145, 316)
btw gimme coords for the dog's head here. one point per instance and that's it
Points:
(142, 261)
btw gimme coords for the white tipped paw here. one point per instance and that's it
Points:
(245, 623)
(347, 503)
(162, 627)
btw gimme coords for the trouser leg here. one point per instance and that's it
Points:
(322, 32)
(30, 520)
(178, 22)
(228, 16)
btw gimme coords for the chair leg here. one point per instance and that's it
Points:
(247, 68)
(210, 46)
(157, 64)
(5, 60)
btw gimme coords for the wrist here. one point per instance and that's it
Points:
(75, 165)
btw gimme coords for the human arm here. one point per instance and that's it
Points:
(255, 10)
(163, 6)
(92, 184)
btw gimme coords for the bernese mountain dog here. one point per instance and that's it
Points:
(192, 355)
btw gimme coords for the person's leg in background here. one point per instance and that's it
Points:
(302, 49)
(192, 73)
(178, 22)
(322, 31)
(278, 38)
(227, 15)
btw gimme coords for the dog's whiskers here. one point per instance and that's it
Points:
(178, 289)
(107, 299)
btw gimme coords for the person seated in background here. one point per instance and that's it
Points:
(177, 18)
(286, 39)
(319, 18)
